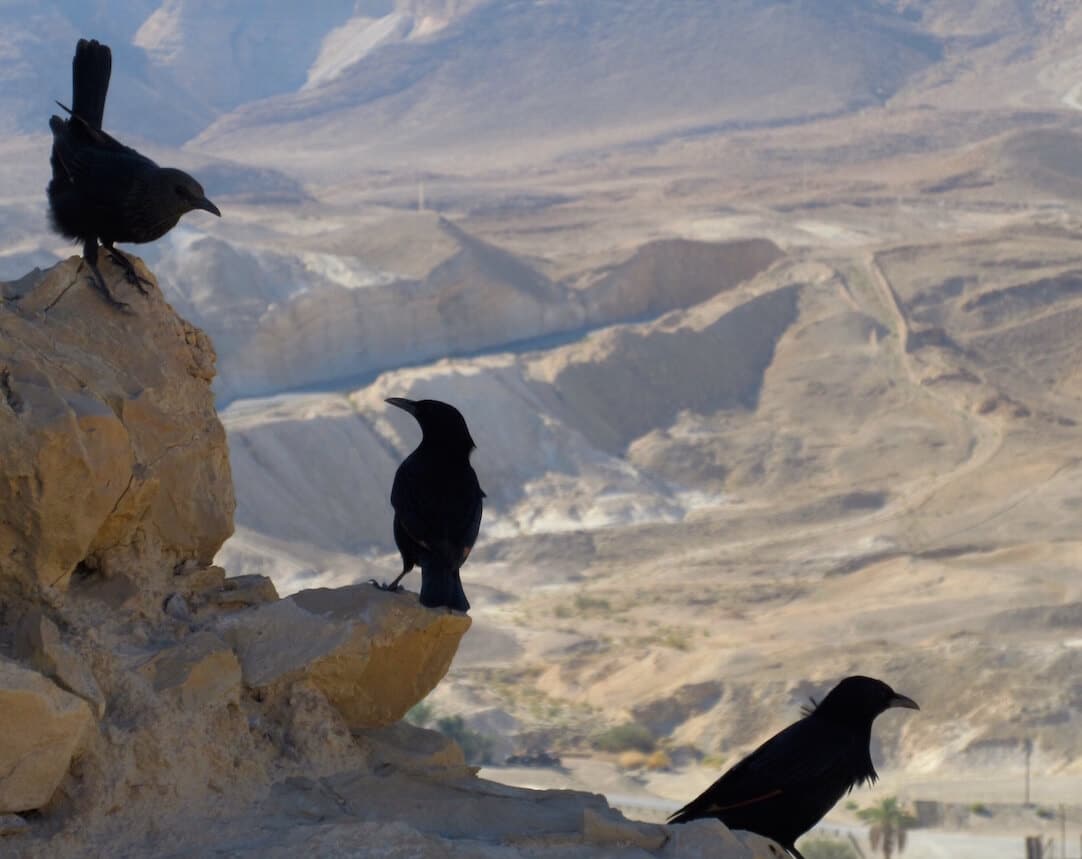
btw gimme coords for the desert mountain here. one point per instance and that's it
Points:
(35, 69)
(155, 706)
(501, 74)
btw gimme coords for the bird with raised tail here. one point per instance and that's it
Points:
(437, 503)
(102, 190)
(788, 784)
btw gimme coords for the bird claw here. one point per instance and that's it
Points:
(130, 274)
(98, 282)
(383, 586)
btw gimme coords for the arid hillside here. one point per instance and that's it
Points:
(765, 325)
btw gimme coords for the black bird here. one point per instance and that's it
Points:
(786, 786)
(102, 189)
(437, 503)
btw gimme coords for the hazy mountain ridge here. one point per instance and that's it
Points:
(299, 318)
(636, 69)
(390, 77)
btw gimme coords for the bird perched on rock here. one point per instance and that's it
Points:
(102, 190)
(437, 503)
(786, 786)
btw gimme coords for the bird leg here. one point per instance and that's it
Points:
(90, 257)
(130, 274)
(393, 586)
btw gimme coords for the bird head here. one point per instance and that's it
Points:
(441, 423)
(187, 194)
(860, 699)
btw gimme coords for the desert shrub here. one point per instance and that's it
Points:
(677, 639)
(631, 736)
(980, 809)
(820, 847)
(476, 748)
(586, 603)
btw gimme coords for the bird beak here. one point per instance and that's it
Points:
(903, 701)
(404, 404)
(207, 206)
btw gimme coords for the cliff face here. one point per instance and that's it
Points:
(114, 460)
(154, 706)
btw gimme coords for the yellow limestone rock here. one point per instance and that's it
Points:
(199, 672)
(373, 654)
(42, 727)
(114, 457)
(37, 642)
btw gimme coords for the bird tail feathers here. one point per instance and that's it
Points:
(90, 72)
(443, 587)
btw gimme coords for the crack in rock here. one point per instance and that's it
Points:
(11, 397)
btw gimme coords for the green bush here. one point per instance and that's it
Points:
(583, 602)
(819, 847)
(631, 736)
(477, 748)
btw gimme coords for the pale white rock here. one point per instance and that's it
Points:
(704, 839)
(760, 847)
(608, 829)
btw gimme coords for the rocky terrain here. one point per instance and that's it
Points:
(773, 371)
(154, 705)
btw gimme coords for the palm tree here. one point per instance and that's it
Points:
(889, 822)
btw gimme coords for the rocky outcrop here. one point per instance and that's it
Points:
(418, 287)
(369, 651)
(671, 273)
(149, 699)
(114, 459)
(198, 672)
(38, 644)
(42, 727)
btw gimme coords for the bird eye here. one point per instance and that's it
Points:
(181, 191)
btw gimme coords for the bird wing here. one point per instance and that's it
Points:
(111, 178)
(83, 133)
(446, 522)
(805, 754)
(473, 527)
